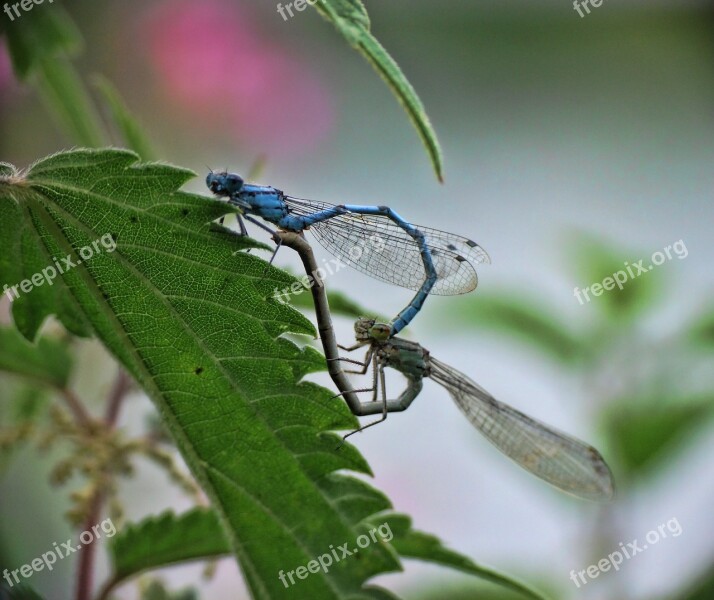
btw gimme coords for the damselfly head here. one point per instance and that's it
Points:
(380, 332)
(367, 330)
(363, 325)
(224, 184)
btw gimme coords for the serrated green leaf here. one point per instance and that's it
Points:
(642, 434)
(524, 318)
(350, 18)
(132, 133)
(47, 361)
(189, 314)
(169, 539)
(165, 540)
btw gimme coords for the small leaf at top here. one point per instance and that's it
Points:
(350, 18)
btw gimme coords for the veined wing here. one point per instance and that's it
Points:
(379, 247)
(561, 460)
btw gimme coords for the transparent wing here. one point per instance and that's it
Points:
(378, 247)
(563, 461)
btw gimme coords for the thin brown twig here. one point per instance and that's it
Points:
(85, 573)
(121, 386)
(76, 407)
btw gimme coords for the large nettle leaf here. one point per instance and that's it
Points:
(114, 249)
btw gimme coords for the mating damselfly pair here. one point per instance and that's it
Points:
(443, 263)
(412, 256)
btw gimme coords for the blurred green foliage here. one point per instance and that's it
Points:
(651, 398)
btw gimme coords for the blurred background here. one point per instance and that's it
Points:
(572, 145)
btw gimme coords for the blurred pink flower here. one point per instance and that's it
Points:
(5, 68)
(211, 61)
